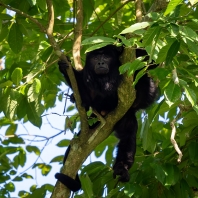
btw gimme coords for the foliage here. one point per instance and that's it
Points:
(30, 84)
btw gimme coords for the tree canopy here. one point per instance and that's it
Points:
(34, 35)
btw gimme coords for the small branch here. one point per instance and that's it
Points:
(25, 15)
(138, 10)
(110, 16)
(50, 17)
(174, 143)
(175, 77)
(77, 61)
(78, 36)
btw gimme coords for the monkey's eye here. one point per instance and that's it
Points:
(105, 57)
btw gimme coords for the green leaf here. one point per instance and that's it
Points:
(192, 149)
(10, 187)
(57, 159)
(87, 185)
(17, 75)
(42, 5)
(146, 134)
(131, 67)
(172, 174)
(150, 34)
(63, 143)
(6, 84)
(192, 46)
(187, 32)
(172, 52)
(11, 130)
(46, 169)
(34, 149)
(38, 193)
(34, 90)
(190, 94)
(97, 39)
(15, 38)
(160, 174)
(136, 26)
(32, 115)
(97, 47)
(172, 92)
(171, 6)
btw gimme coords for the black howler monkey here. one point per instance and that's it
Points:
(98, 84)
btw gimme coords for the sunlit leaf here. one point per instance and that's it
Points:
(171, 6)
(136, 26)
(17, 75)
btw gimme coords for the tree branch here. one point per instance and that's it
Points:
(110, 16)
(174, 143)
(138, 10)
(78, 35)
(25, 15)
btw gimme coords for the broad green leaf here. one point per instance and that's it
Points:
(46, 169)
(187, 32)
(190, 94)
(98, 46)
(150, 34)
(10, 187)
(136, 26)
(42, 5)
(87, 11)
(192, 149)
(160, 174)
(57, 159)
(131, 67)
(4, 32)
(38, 193)
(87, 185)
(193, 171)
(34, 90)
(34, 149)
(173, 50)
(6, 84)
(11, 130)
(192, 46)
(172, 174)
(171, 6)
(27, 176)
(32, 115)
(98, 39)
(63, 143)
(172, 92)
(17, 75)
(148, 141)
(15, 39)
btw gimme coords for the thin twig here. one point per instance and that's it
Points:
(174, 143)
(25, 15)
(109, 17)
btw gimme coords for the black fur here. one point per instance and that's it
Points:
(72, 184)
(98, 88)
